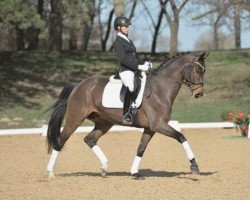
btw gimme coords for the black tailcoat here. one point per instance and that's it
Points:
(126, 53)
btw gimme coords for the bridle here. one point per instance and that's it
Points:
(187, 76)
(189, 73)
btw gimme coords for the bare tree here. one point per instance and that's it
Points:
(173, 22)
(220, 13)
(132, 10)
(237, 27)
(206, 42)
(239, 7)
(243, 4)
(214, 16)
(156, 24)
(104, 27)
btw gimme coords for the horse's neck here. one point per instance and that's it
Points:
(169, 78)
(167, 88)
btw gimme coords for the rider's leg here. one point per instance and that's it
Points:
(127, 115)
(127, 78)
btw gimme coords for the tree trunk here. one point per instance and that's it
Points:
(174, 25)
(72, 40)
(237, 28)
(157, 27)
(104, 41)
(119, 7)
(88, 26)
(40, 7)
(33, 34)
(33, 31)
(19, 39)
(55, 29)
(216, 40)
(174, 29)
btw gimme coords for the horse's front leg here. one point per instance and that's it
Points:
(146, 137)
(167, 130)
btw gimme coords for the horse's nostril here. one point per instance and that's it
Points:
(198, 95)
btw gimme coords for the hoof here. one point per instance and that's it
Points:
(103, 173)
(195, 169)
(137, 176)
(51, 175)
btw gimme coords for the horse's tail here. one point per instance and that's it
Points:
(56, 119)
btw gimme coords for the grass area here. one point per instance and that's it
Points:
(31, 81)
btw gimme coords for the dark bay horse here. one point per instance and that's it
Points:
(84, 101)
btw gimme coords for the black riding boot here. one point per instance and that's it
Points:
(127, 114)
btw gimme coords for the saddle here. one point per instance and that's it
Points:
(114, 91)
(137, 87)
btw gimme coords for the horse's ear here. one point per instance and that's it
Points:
(202, 56)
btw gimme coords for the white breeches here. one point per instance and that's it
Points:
(127, 78)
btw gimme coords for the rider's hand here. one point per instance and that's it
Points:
(149, 63)
(144, 67)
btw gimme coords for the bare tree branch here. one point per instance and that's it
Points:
(133, 10)
(149, 14)
(183, 5)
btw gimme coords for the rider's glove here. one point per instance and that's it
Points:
(150, 64)
(144, 67)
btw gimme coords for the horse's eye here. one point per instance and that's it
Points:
(200, 70)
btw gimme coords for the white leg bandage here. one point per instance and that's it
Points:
(188, 150)
(136, 165)
(99, 153)
(52, 161)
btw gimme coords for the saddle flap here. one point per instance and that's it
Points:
(137, 86)
(114, 92)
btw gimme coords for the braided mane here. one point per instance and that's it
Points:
(163, 64)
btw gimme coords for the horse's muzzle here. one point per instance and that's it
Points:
(198, 92)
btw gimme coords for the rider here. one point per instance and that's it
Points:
(129, 63)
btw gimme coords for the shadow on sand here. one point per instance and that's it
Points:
(144, 172)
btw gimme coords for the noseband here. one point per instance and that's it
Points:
(190, 74)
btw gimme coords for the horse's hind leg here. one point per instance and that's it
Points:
(146, 137)
(101, 127)
(72, 121)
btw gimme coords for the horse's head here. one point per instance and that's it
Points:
(193, 76)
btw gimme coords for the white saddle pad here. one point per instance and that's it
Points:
(111, 93)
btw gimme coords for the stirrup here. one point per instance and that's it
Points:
(127, 118)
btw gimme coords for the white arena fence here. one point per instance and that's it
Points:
(86, 129)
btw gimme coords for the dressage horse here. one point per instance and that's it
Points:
(84, 101)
